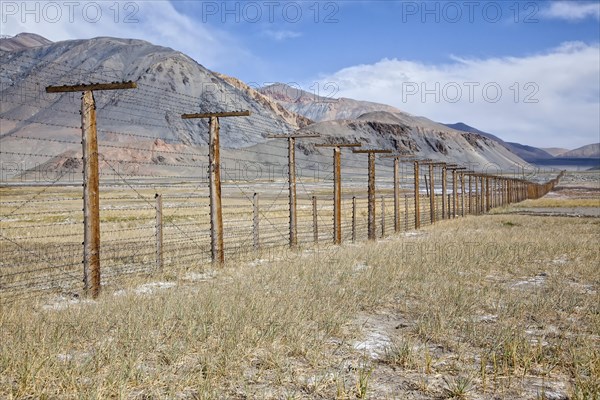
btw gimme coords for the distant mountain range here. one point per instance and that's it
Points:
(320, 109)
(146, 122)
(528, 153)
(589, 151)
(383, 126)
(586, 156)
(554, 151)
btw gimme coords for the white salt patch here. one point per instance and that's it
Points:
(320, 379)
(583, 288)
(374, 344)
(153, 286)
(360, 267)
(62, 303)
(537, 280)
(488, 318)
(147, 288)
(256, 263)
(561, 260)
(413, 233)
(78, 356)
(200, 277)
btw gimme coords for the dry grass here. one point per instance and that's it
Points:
(496, 306)
(559, 202)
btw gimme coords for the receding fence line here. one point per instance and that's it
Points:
(490, 191)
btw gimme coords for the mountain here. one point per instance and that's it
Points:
(22, 41)
(141, 132)
(371, 122)
(554, 151)
(461, 126)
(528, 153)
(321, 108)
(588, 151)
(417, 135)
(169, 84)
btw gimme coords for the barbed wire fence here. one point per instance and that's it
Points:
(154, 179)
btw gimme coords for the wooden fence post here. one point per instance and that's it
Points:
(292, 180)
(353, 219)
(470, 198)
(454, 194)
(476, 208)
(315, 220)
(445, 212)
(371, 190)
(337, 187)
(214, 177)
(159, 232)
(91, 178)
(431, 194)
(255, 222)
(382, 216)
(405, 212)
(216, 210)
(396, 158)
(417, 196)
(91, 196)
(396, 195)
(488, 194)
(462, 194)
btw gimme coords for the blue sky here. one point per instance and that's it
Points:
(526, 71)
(333, 35)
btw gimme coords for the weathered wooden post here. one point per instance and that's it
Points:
(470, 198)
(462, 194)
(488, 205)
(214, 181)
(91, 178)
(382, 216)
(255, 222)
(481, 194)
(417, 196)
(396, 158)
(454, 193)
(315, 220)
(353, 219)
(292, 179)
(371, 189)
(445, 213)
(454, 202)
(432, 193)
(337, 187)
(159, 232)
(477, 200)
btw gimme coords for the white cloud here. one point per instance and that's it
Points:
(282, 35)
(572, 10)
(549, 99)
(155, 21)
